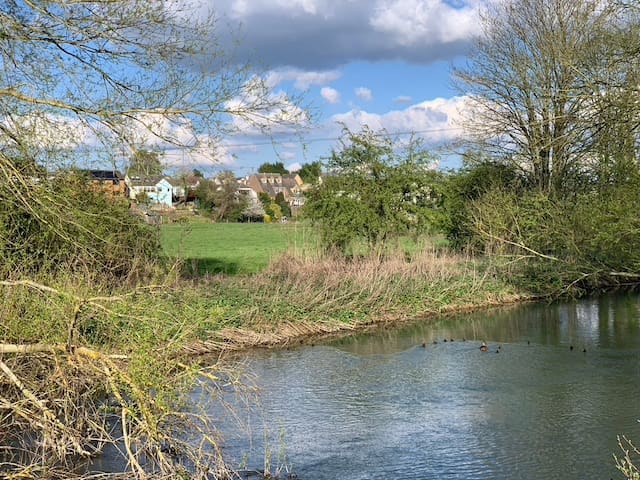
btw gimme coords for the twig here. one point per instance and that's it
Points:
(49, 415)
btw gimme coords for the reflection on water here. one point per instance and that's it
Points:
(382, 406)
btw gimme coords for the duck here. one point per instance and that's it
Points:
(484, 348)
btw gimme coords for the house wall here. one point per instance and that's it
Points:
(160, 193)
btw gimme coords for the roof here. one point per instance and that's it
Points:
(146, 181)
(104, 175)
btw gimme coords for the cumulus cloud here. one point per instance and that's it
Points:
(364, 94)
(403, 99)
(323, 34)
(301, 80)
(331, 95)
(415, 22)
(435, 120)
(294, 167)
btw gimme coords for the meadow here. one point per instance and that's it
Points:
(234, 248)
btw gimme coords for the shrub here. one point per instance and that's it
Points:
(66, 223)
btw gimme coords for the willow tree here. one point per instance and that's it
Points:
(102, 79)
(530, 81)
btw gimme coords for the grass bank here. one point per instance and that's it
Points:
(278, 288)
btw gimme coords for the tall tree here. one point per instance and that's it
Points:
(310, 172)
(527, 79)
(277, 167)
(145, 164)
(375, 190)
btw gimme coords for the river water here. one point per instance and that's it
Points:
(382, 406)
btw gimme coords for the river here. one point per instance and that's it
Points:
(383, 406)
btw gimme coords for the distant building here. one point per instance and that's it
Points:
(290, 186)
(158, 190)
(110, 181)
(184, 188)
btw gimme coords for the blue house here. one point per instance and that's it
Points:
(156, 190)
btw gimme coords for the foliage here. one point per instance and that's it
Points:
(265, 199)
(285, 209)
(77, 361)
(128, 76)
(75, 227)
(220, 198)
(464, 186)
(144, 164)
(374, 192)
(310, 172)
(253, 212)
(564, 245)
(276, 167)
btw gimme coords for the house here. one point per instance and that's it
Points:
(184, 188)
(156, 190)
(290, 186)
(110, 181)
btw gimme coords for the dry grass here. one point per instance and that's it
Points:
(63, 399)
(300, 297)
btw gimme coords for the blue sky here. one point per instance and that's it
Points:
(383, 63)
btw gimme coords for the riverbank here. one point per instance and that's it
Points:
(69, 344)
(300, 300)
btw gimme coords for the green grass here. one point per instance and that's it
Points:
(233, 248)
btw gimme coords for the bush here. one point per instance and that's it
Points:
(461, 189)
(374, 193)
(66, 224)
(588, 242)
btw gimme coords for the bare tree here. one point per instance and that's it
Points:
(530, 80)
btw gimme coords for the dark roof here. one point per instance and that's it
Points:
(104, 175)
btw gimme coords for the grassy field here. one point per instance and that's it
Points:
(233, 248)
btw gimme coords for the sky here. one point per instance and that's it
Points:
(381, 63)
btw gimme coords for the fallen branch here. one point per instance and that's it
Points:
(64, 349)
(48, 414)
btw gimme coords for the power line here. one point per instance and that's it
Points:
(330, 139)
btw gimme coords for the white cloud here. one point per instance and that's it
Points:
(435, 120)
(294, 167)
(331, 95)
(320, 34)
(301, 80)
(403, 99)
(364, 94)
(415, 22)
